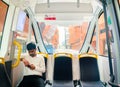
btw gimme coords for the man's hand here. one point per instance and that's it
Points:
(31, 66)
(26, 63)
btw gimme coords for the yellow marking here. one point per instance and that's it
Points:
(43, 54)
(63, 54)
(2, 61)
(88, 55)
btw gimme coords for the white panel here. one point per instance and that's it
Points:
(15, 19)
(7, 29)
(63, 8)
(81, 1)
(18, 73)
(104, 68)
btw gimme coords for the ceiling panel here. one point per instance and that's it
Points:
(52, 1)
(64, 8)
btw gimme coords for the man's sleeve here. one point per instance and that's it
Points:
(41, 66)
(22, 56)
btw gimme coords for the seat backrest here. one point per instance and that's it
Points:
(62, 68)
(44, 74)
(5, 69)
(89, 69)
(8, 66)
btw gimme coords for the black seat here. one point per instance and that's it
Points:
(62, 74)
(5, 80)
(89, 73)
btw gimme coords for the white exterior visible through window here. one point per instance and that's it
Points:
(21, 21)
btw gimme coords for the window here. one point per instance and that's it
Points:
(103, 49)
(3, 13)
(22, 35)
(64, 37)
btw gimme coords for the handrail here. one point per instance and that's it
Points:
(2, 61)
(19, 53)
(88, 55)
(90, 31)
(36, 30)
(63, 53)
(43, 54)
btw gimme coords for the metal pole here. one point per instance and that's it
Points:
(108, 41)
(48, 3)
(97, 35)
(29, 31)
(78, 1)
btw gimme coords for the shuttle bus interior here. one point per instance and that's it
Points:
(79, 40)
